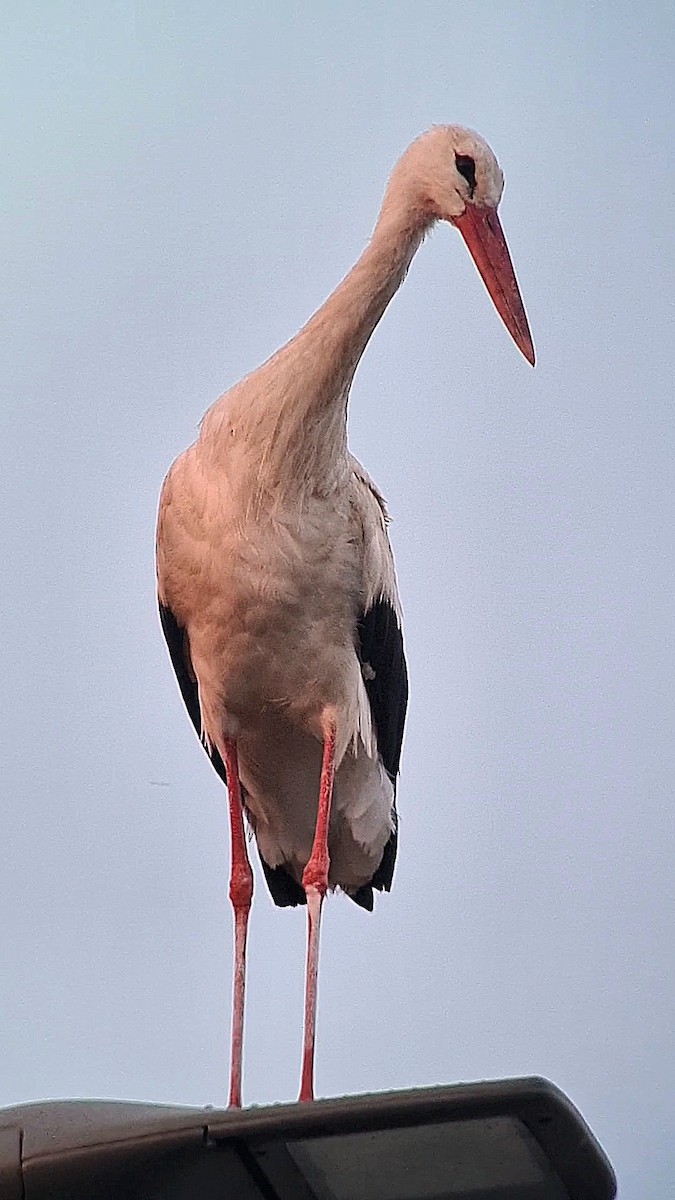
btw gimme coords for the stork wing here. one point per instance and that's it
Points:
(179, 651)
(380, 640)
(380, 648)
(379, 644)
(382, 658)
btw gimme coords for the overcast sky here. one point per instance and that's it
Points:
(186, 183)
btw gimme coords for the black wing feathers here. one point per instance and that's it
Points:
(285, 891)
(386, 678)
(385, 675)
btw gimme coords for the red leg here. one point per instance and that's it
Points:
(241, 891)
(315, 883)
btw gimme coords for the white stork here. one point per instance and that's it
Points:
(276, 581)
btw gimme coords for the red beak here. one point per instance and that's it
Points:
(481, 229)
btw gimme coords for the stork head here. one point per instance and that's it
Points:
(450, 174)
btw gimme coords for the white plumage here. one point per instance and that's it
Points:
(276, 578)
(270, 599)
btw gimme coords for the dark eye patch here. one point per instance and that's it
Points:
(467, 168)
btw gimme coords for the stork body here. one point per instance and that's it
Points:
(271, 604)
(276, 581)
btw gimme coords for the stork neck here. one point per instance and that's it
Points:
(292, 411)
(341, 329)
(317, 366)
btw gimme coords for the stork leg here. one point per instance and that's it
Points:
(241, 891)
(315, 883)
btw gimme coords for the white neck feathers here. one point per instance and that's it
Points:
(291, 413)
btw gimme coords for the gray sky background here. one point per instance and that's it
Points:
(186, 183)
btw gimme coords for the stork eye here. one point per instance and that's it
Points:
(467, 168)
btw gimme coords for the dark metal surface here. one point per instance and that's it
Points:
(516, 1139)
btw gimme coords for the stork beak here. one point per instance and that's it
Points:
(481, 229)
